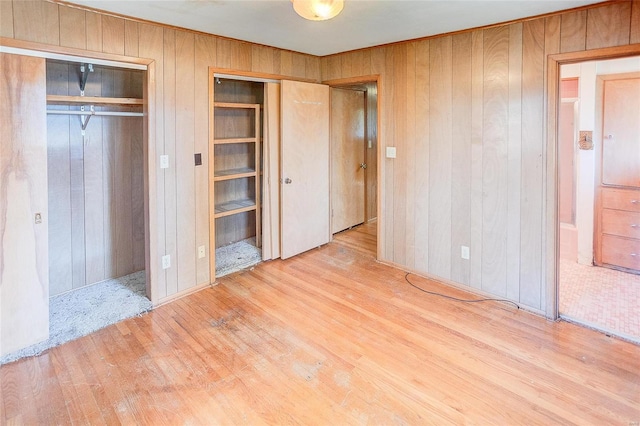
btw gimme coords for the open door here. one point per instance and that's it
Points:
(347, 158)
(304, 167)
(24, 264)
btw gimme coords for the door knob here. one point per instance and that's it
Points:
(363, 165)
(287, 181)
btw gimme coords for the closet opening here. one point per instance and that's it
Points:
(237, 148)
(96, 196)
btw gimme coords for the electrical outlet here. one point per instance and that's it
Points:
(391, 152)
(201, 252)
(464, 252)
(166, 261)
(164, 161)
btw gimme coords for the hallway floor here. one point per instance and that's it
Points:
(601, 298)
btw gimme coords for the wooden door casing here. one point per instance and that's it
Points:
(347, 158)
(304, 167)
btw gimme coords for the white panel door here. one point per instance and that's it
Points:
(305, 167)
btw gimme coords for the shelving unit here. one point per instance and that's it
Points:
(237, 161)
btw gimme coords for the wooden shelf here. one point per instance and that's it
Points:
(234, 140)
(235, 105)
(94, 100)
(233, 174)
(234, 207)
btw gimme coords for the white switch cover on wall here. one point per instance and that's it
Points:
(464, 252)
(164, 161)
(166, 261)
(391, 152)
(200, 252)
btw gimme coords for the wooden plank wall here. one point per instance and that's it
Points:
(96, 183)
(467, 115)
(181, 66)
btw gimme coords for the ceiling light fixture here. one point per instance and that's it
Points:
(318, 10)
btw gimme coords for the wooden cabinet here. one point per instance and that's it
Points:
(236, 148)
(617, 236)
(619, 228)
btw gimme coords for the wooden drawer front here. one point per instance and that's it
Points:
(621, 252)
(621, 199)
(621, 223)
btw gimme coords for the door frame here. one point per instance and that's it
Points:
(377, 79)
(551, 225)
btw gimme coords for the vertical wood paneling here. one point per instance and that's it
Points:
(94, 31)
(421, 188)
(72, 28)
(299, 65)
(477, 104)
(635, 22)
(151, 46)
(532, 164)
(514, 161)
(185, 169)
(552, 38)
(389, 132)
(399, 63)
(94, 198)
(6, 19)
(205, 55)
(131, 38)
(36, 21)
(59, 185)
(59, 191)
(170, 187)
(573, 31)
(461, 156)
(137, 194)
(113, 35)
(76, 152)
(608, 25)
(286, 62)
(110, 131)
(440, 157)
(410, 148)
(494, 157)
(122, 186)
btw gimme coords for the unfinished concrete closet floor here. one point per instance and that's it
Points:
(601, 298)
(329, 337)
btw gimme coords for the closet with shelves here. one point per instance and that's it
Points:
(237, 176)
(95, 151)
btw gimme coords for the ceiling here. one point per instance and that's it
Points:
(362, 23)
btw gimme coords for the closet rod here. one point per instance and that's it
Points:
(113, 113)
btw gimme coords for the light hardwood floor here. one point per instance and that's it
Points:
(329, 337)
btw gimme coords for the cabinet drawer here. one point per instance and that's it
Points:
(621, 223)
(621, 199)
(621, 252)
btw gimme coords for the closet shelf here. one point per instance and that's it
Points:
(234, 140)
(233, 174)
(94, 100)
(234, 207)
(235, 105)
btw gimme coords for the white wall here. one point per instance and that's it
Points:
(587, 73)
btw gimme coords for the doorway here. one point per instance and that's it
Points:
(598, 283)
(354, 160)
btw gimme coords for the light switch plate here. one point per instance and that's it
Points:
(391, 152)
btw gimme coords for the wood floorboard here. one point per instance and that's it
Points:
(329, 337)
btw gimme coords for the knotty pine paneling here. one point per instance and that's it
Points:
(478, 110)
